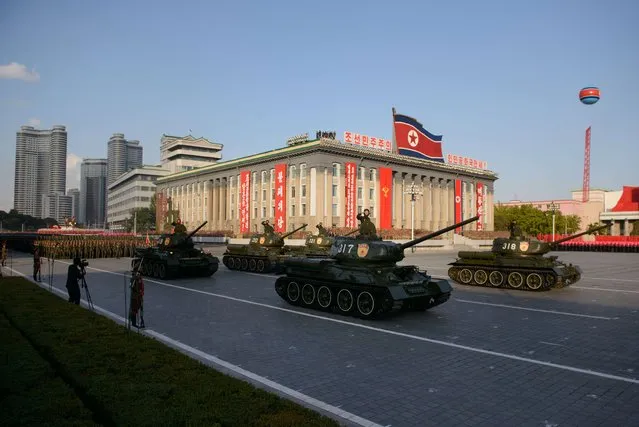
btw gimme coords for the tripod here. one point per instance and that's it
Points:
(136, 305)
(87, 293)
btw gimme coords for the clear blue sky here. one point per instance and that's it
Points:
(499, 80)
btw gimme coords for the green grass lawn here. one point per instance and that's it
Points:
(64, 365)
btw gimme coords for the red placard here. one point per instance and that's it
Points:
(458, 204)
(245, 198)
(280, 197)
(480, 205)
(350, 179)
(385, 198)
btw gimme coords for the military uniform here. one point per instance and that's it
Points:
(367, 229)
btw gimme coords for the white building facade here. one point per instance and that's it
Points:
(184, 153)
(130, 191)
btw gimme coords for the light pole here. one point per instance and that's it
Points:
(413, 191)
(553, 207)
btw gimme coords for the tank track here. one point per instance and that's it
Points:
(158, 270)
(366, 302)
(534, 280)
(254, 264)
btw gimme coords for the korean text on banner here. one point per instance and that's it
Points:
(280, 197)
(245, 197)
(385, 198)
(480, 205)
(350, 178)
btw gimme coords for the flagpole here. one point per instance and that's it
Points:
(394, 141)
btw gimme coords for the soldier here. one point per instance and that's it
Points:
(137, 299)
(178, 227)
(36, 265)
(366, 227)
(321, 231)
(515, 231)
(268, 228)
(4, 253)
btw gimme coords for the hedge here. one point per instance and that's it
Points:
(126, 378)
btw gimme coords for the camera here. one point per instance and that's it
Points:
(84, 263)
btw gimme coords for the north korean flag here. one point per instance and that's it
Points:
(415, 141)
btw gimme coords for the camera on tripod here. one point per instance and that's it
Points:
(84, 263)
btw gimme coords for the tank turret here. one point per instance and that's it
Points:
(361, 277)
(175, 255)
(381, 251)
(518, 263)
(319, 245)
(263, 252)
(526, 247)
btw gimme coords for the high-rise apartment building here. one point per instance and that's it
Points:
(93, 192)
(74, 193)
(41, 172)
(123, 155)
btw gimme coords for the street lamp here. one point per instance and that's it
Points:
(553, 207)
(413, 191)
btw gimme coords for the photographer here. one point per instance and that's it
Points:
(74, 274)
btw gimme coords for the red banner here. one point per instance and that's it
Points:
(245, 198)
(480, 205)
(385, 198)
(350, 179)
(160, 210)
(458, 204)
(280, 197)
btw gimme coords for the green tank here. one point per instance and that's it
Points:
(518, 263)
(319, 245)
(262, 254)
(361, 278)
(175, 256)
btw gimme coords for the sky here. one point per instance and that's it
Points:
(498, 79)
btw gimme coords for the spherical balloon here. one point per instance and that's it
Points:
(589, 95)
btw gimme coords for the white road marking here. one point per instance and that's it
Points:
(515, 307)
(604, 289)
(612, 280)
(404, 335)
(551, 343)
(219, 362)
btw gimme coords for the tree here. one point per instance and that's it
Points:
(635, 228)
(533, 221)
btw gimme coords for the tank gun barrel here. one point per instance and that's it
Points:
(351, 232)
(294, 231)
(437, 233)
(192, 233)
(574, 236)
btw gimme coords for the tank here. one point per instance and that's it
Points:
(518, 263)
(174, 256)
(263, 252)
(319, 245)
(361, 278)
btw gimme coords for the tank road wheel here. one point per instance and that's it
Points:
(244, 264)
(237, 263)
(308, 294)
(260, 265)
(293, 292)
(324, 297)
(453, 272)
(161, 271)
(230, 263)
(345, 300)
(252, 265)
(481, 277)
(365, 303)
(465, 276)
(515, 280)
(534, 281)
(496, 278)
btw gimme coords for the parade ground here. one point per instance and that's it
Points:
(487, 357)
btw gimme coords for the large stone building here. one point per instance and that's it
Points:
(327, 181)
(182, 153)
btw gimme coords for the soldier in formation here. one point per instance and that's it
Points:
(98, 246)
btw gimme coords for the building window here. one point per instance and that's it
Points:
(334, 209)
(263, 195)
(335, 169)
(371, 175)
(371, 193)
(264, 212)
(303, 190)
(359, 192)
(293, 192)
(334, 190)
(292, 210)
(303, 209)
(255, 212)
